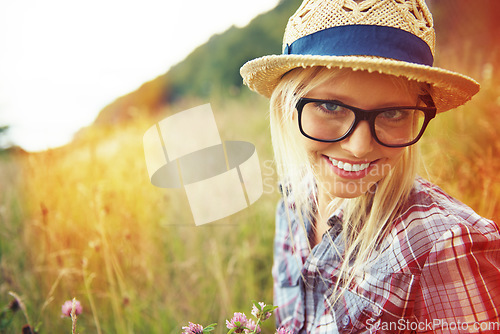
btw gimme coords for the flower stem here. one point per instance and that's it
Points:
(73, 317)
(256, 326)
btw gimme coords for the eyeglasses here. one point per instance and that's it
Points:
(331, 121)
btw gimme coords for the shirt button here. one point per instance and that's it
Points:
(346, 320)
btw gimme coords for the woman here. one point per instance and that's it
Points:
(362, 243)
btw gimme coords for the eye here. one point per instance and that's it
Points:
(395, 115)
(329, 106)
(332, 108)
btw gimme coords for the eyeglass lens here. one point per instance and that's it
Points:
(329, 121)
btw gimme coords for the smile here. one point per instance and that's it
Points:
(348, 167)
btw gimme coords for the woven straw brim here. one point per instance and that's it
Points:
(449, 89)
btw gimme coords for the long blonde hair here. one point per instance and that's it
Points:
(366, 219)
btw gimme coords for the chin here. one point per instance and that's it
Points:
(346, 189)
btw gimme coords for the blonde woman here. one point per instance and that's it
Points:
(362, 243)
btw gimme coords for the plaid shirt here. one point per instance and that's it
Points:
(438, 271)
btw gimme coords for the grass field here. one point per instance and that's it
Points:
(84, 221)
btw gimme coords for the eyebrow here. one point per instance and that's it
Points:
(344, 98)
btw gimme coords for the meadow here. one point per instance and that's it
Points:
(84, 221)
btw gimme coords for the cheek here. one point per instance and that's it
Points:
(310, 146)
(393, 155)
(315, 148)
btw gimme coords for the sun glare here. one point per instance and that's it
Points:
(67, 60)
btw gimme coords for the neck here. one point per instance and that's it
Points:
(322, 216)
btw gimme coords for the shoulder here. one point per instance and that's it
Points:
(433, 220)
(283, 212)
(288, 216)
(288, 221)
(431, 207)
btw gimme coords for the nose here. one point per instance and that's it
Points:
(360, 142)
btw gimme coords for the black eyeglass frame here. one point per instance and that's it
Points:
(368, 115)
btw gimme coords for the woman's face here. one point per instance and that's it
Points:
(350, 167)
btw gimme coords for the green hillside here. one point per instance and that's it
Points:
(212, 69)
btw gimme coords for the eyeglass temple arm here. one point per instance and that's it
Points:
(427, 99)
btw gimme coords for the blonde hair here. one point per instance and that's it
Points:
(366, 219)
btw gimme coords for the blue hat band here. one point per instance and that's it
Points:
(364, 40)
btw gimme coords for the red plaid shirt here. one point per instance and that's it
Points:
(438, 271)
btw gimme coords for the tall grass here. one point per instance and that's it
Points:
(84, 221)
(93, 227)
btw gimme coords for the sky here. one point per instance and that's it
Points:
(62, 61)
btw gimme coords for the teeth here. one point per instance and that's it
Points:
(349, 167)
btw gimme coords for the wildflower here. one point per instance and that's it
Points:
(252, 327)
(283, 330)
(238, 322)
(193, 329)
(259, 312)
(27, 329)
(68, 307)
(17, 303)
(14, 305)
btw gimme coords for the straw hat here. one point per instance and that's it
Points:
(394, 37)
